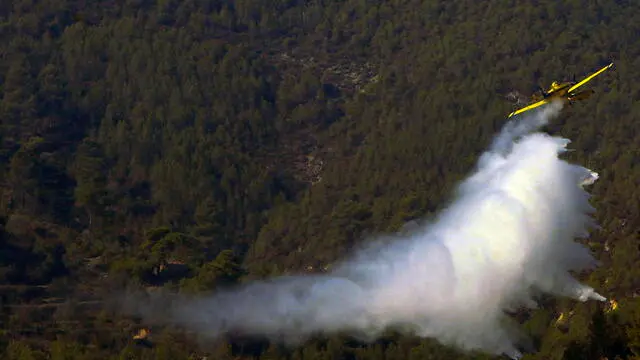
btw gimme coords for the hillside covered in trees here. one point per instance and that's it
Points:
(189, 145)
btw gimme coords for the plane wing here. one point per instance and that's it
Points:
(588, 78)
(532, 106)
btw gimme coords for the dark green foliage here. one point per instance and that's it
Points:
(606, 339)
(221, 272)
(196, 145)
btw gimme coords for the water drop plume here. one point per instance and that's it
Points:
(508, 233)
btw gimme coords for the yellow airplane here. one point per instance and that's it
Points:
(564, 91)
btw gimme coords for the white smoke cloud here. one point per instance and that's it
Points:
(508, 232)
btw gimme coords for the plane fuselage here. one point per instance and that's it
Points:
(557, 90)
(565, 92)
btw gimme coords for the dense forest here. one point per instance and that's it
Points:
(189, 145)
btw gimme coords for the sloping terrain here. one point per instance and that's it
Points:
(194, 144)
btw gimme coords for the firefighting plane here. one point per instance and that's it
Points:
(565, 91)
